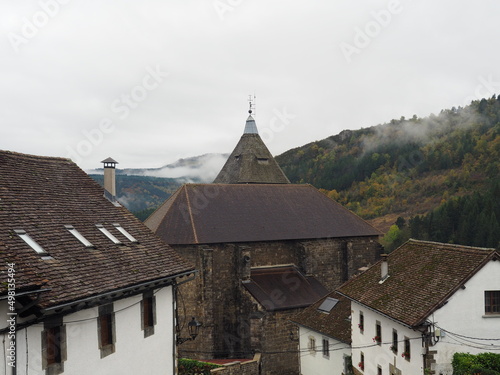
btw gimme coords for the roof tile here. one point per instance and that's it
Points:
(43, 194)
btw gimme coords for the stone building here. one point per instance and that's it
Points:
(265, 249)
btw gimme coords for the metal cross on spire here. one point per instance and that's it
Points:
(251, 103)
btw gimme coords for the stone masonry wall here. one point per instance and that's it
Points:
(234, 325)
(240, 368)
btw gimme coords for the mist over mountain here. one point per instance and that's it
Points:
(413, 171)
(409, 171)
(202, 168)
(141, 190)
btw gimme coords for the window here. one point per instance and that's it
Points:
(148, 307)
(53, 347)
(125, 233)
(106, 330)
(379, 370)
(361, 323)
(326, 348)
(108, 234)
(30, 241)
(78, 236)
(394, 346)
(407, 353)
(312, 345)
(492, 302)
(347, 364)
(361, 363)
(327, 305)
(378, 333)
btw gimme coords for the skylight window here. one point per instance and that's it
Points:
(30, 241)
(125, 233)
(108, 234)
(328, 304)
(78, 236)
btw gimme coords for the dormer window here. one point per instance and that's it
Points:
(108, 234)
(78, 236)
(124, 232)
(30, 241)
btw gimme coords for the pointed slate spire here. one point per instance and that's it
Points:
(251, 162)
(250, 126)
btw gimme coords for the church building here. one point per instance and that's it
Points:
(265, 249)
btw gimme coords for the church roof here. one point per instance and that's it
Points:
(228, 213)
(251, 162)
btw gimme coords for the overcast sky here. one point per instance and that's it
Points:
(148, 82)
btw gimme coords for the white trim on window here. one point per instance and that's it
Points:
(124, 232)
(78, 236)
(108, 234)
(30, 241)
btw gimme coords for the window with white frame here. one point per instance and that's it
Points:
(326, 347)
(492, 302)
(407, 352)
(311, 345)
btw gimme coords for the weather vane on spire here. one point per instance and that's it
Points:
(251, 102)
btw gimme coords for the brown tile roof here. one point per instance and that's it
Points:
(43, 194)
(422, 276)
(251, 162)
(220, 213)
(283, 288)
(336, 323)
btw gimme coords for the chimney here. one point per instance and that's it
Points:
(109, 178)
(384, 268)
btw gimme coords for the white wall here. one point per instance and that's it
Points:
(381, 355)
(316, 363)
(133, 354)
(464, 315)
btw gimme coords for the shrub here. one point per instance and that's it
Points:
(191, 366)
(480, 364)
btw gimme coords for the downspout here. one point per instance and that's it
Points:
(174, 331)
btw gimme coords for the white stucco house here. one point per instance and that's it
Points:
(422, 303)
(325, 336)
(85, 287)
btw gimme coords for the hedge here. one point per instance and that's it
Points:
(479, 364)
(191, 366)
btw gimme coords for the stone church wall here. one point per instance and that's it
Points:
(234, 324)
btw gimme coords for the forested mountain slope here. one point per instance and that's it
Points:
(409, 166)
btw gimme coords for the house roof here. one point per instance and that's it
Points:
(41, 195)
(222, 213)
(336, 323)
(283, 288)
(251, 162)
(422, 276)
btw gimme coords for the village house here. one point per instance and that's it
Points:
(420, 304)
(85, 287)
(265, 249)
(325, 336)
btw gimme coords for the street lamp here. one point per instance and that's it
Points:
(193, 328)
